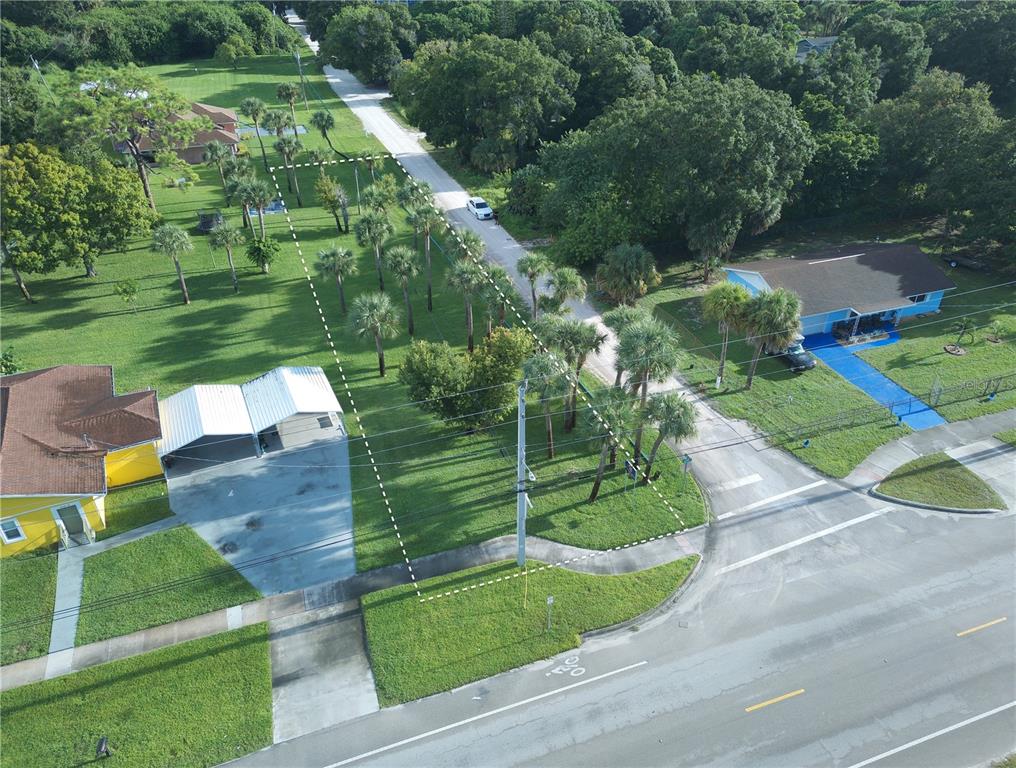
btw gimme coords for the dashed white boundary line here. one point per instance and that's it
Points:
(345, 382)
(481, 264)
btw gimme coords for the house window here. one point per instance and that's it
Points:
(11, 531)
(918, 298)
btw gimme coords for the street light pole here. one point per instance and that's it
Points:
(521, 499)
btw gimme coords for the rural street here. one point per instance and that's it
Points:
(825, 628)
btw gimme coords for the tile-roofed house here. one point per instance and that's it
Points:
(224, 124)
(65, 438)
(845, 285)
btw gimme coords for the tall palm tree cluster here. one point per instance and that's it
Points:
(769, 319)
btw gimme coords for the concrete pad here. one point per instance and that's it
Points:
(320, 672)
(273, 510)
(994, 462)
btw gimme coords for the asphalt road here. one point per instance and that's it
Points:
(823, 629)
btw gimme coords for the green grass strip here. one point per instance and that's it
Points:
(28, 586)
(194, 704)
(941, 481)
(420, 648)
(178, 553)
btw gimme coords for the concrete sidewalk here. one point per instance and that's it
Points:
(627, 559)
(939, 439)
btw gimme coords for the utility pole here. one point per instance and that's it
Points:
(37, 69)
(521, 498)
(303, 83)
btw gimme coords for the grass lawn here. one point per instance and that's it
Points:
(446, 487)
(195, 704)
(178, 553)
(920, 361)
(133, 506)
(1007, 437)
(27, 591)
(467, 637)
(942, 481)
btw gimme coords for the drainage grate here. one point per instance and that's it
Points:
(228, 547)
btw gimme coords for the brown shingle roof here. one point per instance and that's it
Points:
(218, 115)
(870, 277)
(57, 424)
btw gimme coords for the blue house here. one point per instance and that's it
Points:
(852, 289)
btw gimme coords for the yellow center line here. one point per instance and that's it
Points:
(776, 700)
(979, 627)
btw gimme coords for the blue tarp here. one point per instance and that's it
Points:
(880, 388)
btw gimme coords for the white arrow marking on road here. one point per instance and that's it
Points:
(934, 735)
(473, 719)
(802, 540)
(771, 499)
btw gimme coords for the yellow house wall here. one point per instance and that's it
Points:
(35, 515)
(130, 465)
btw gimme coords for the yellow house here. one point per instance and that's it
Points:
(65, 438)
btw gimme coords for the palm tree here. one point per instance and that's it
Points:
(466, 277)
(545, 373)
(215, 154)
(289, 148)
(428, 220)
(534, 266)
(289, 93)
(617, 319)
(413, 193)
(503, 290)
(648, 349)
(257, 194)
(340, 264)
(470, 245)
(373, 229)
(612, 419)
(401, 262)
(565, 284)
(772, 319)
(278, 121)
(319, 157)
(375, 198)
(374, 315)
(675, 420)
(725, 303)
(627, 273)
(576, 340)
(962, 328)
(324, 122)
(171, 240)
(235, 168)
(255, 109)
(224, 235)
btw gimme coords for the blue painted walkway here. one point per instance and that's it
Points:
(883, 390)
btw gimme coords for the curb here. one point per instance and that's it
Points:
(909, 503)
(652, 613)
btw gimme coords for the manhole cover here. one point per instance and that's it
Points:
(253, 523)
(228, 547)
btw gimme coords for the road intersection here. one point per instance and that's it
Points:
(824, 628)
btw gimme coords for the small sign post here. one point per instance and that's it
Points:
(550, 604)
(685, 463)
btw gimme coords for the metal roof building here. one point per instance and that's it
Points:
(208, 411)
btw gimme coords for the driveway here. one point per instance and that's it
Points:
(915, 413)
(285, 519)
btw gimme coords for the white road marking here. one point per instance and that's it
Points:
(934, 735)
(771, 499)
(803, 540)
(473, 719)
(738, 483)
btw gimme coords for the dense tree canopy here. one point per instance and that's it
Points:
(626, 177)
(495, 99)
(901, 48)
(370, 40)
